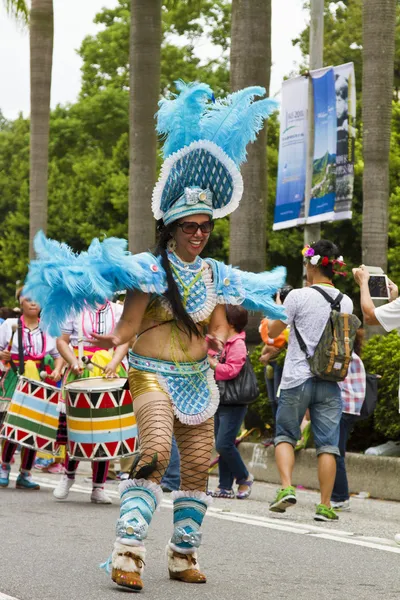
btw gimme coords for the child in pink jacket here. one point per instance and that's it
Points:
(228, 418)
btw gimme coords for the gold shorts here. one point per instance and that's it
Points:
(143, 382)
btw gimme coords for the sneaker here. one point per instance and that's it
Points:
(25, 482)
(56, 469)
(62, 488)
(345, 505)
(323, 513)
(4, 475)
(99, 496)
(285, 498)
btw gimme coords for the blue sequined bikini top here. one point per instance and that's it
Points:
(196, 287)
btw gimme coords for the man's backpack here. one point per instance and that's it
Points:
(332, 355)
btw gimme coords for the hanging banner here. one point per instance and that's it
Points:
(323, 184)
(334, 94)
(334, 117)
(289, 206)
(346, 137)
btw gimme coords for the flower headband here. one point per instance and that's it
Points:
(323, 261)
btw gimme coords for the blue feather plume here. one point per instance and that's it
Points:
(63, 282)
(223, 116)
(246, 128)
(254, 291)
(179, 119)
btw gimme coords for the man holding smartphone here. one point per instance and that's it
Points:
(387, 315)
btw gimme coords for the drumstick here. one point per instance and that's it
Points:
(86, 361)
(11, 363)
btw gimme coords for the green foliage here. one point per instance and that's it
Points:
(88, 151)
(381, 355)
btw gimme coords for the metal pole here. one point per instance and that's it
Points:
(312, 233)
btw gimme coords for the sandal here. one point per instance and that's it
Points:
(246, 493)
(222, 493)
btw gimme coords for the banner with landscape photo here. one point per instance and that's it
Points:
(323, 186)
(293, 141)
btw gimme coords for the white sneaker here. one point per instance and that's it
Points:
(100, 497)
(63, 486)
(342, 506)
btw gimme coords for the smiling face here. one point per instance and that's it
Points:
(190, 245)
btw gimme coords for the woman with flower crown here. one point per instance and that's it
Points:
(173, 297)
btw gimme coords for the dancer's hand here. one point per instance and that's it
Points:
(214, 343)
(105, 341)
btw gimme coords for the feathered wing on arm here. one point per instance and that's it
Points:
(62, 281)
(254, 291)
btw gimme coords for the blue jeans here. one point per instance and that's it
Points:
(172, 476)
(324, 400)
(340, 491)
(227, 422)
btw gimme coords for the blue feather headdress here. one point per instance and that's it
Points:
(204, 144)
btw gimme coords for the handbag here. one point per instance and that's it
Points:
(371, 397)
(241, 390)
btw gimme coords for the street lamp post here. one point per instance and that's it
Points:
(312, 233)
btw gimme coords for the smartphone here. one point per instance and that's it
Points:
(378, 287)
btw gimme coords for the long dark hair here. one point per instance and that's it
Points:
(172, 294)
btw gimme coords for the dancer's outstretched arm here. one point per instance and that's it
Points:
(128, 326)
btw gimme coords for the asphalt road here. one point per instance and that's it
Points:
(51, 550)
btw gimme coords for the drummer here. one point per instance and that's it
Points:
(73, 344)
(35, 346)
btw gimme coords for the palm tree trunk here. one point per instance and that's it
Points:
(145, 62)
(251, 65)
(41, 60)
(379, 21)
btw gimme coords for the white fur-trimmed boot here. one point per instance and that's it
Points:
(184, 567)
(189, 511)
(127, 565)
(139, 500)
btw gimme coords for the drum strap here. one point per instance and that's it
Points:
(20, 348)
(80, 341)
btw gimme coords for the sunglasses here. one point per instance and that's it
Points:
(191, 227)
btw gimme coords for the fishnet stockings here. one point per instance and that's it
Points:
(195, 443)
(156, 423)
(155, 420)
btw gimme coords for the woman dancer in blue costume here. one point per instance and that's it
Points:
(173, 296)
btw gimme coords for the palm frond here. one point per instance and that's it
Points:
(18, 9)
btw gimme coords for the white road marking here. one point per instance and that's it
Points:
(5, 597)
(335, 535)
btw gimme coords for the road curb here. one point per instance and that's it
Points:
(378, 475)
